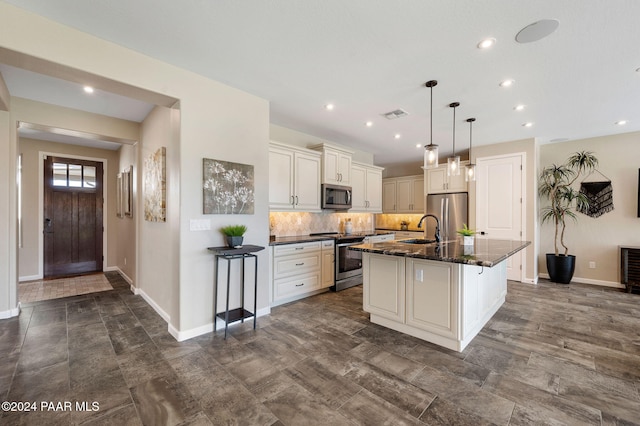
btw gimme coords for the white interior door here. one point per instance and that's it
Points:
(499, 207)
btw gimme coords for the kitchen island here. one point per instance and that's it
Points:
(443, 293)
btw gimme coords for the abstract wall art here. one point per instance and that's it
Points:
(155, 186)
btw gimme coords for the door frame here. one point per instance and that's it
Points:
(105, 185)
(523, 195)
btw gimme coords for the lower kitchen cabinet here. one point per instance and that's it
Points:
(405, 235)
(440, 302)
(300, 270)
(384, 291)
(328, 263)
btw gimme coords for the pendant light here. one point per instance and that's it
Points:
(431, 150)
(470, 169)
(453, 163)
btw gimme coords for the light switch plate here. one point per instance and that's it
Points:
(419, 275)
(199, 225)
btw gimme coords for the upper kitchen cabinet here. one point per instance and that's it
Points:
(366, 186)
(336, 164)
(294, 178)
(439, 182)
(403, 194)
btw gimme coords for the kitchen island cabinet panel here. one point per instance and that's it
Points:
(431, 296)
(384, 291)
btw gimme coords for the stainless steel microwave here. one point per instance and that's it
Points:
(336, 197)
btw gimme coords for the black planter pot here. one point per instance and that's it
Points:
(234, 242)
(561, 267)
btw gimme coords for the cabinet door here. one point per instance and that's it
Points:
(457, 183)
(383, 285)
(432, 297)
(344, 169)
(358, 188)
(437, 180)
(328, 265)
(281, 179)
(389, 196)
(404, 195)
(373, 190)
(307, 182)
(418, 200)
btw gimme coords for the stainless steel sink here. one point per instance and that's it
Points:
(417, 241)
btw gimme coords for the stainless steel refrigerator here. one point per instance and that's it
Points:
(452, 211)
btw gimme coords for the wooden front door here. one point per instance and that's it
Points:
(72, 216)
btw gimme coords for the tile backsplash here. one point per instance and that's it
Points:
(283, 224)
(392, 221)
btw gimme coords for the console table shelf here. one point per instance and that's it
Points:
(238, 314)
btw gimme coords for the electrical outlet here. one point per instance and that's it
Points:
(299, 221)
(592, 265)
(125, 260)
(419, 275)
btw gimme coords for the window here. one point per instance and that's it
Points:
(74, 175)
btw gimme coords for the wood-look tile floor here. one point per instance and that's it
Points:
(553, 354)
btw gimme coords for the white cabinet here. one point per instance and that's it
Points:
(440, 302)
(336, 164)
(403, 195)
(294, 178)
(438, 182)
(296, 270)
(405, 235)
(384, 287)
(432, 294)
(366, 186)
(328, 263)
(379, 238)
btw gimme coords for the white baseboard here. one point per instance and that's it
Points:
(207, 328)
(165, 316)
(590, 281)
(10, 313)
(30, 278)
(530, 281)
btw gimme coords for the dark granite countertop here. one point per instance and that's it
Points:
(294, 239)
(485, 252)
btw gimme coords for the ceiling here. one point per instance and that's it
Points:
(370, 57)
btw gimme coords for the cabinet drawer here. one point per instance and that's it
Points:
(296, 264)
(287, 249)
(404, 235)
(327, 245)
(293, 286)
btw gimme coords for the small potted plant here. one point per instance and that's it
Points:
(234, 234)
(404, 225)
(467, 235)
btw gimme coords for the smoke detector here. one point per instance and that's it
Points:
(392, 115)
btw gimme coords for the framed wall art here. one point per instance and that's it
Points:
(228, 188)
(155, 186)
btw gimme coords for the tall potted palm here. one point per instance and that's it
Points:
(555, 185)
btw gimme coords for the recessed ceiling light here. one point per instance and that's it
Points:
(397, 136)
(528, 124)
(621, 122)
(369, 123)
(519, 107)
(486, 43)
(507, 83)
(329, 107)
(418, 145)
(88, 89)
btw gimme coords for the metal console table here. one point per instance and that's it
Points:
(238, 314)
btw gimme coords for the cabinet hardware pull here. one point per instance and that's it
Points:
(299, 264)
(299, 248)
(299, 285)
(296, 200)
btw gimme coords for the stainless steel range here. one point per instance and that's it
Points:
(348, 262)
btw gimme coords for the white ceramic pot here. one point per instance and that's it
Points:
(468, 240)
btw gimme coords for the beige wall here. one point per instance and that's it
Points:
(216, 121)
(597, 239)
(529, 148)
(30, 254)
(127, 226)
